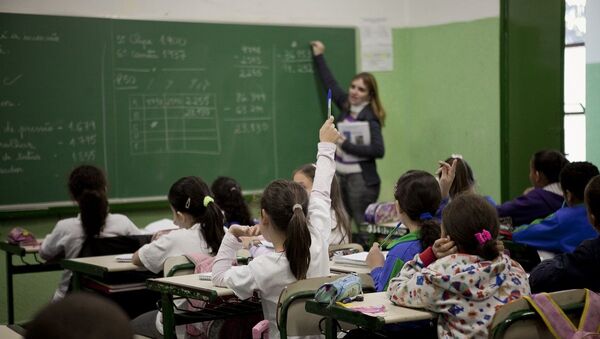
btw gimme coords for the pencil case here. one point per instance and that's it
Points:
(21, 236)
(381, 213)
(344, 288)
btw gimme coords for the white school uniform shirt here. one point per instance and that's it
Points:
(270, 273)
(338, 235)
(68, 236)
(175, 243)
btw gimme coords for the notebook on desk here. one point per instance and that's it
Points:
(358, 259)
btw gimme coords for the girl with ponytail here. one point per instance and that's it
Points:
(87, 187)
(417, 196)
(201, 231)
(463, 277)
(299, 229)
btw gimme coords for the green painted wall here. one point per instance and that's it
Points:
(592, 113)
(443, 98)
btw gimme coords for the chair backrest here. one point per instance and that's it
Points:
(292, 318)
(179, 265)
(518, 319)
(113, 245)
(345, 249)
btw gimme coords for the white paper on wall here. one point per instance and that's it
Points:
(376, 45)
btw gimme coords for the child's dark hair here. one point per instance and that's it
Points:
(228, 195)
(343, 221)
(463, 179)
(592, 199)
(187, 195)
(418, 195)
(575, 176)
(87, 186)
(467, 215)
(286, 203)
(549, 163)
(80, 315)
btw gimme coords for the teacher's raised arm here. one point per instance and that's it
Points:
(360, 122)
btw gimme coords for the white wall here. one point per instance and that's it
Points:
(398, 13)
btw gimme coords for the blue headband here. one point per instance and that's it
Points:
(425, 216)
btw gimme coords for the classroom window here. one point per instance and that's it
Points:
(574, 80)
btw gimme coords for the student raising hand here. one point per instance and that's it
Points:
(328, 132)
(447, 171)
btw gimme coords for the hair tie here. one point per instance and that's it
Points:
(296, 206)
(456, 156)
(232, 189)
(425, 216)
(188, 202)
(483, 237)
(207, 200)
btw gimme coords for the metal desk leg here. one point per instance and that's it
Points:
(330, 328)
(168, 314)
(9, 288)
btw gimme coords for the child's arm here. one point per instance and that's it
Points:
(319, 207)
(53, 245)
(240, 279)
(547, 234)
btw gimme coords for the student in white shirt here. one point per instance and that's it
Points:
(341, 232)
(201, 231)
(299, 231)
(87, 186)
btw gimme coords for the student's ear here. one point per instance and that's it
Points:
(568, 197)
(592, 220)
(264, 217)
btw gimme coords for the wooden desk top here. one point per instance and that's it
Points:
(108, 262)
(392, 314)
(189, 286)
(7, 333)
(341, 268)
(19, 250)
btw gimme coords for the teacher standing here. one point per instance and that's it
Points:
(359, 181)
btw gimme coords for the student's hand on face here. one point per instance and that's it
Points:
(448, 171)
(318, 47)
(444, 247)
(375, 258)
(328, 132)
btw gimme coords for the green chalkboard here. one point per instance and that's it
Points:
(153, 101)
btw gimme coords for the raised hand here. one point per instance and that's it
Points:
(318, 47)
(448, 171)
(328, 132)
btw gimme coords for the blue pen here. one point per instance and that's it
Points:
(329, 103)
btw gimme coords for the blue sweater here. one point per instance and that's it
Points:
(560, 232)
(404, 249)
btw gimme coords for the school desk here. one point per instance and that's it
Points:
(105, 269)
(10, 332)
(190, 286)
(341, 268)
(27, 267)
(392, 315)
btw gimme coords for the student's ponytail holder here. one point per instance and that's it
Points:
(483, 237)
(296, 206)
(207, 200)
(425, 216)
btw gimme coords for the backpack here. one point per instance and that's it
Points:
(560, 325)
(22, 237)
(381, 212)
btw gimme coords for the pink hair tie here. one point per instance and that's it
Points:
(483, 237)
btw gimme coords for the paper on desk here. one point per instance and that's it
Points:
(359, 258)
(124, 257)
(370, 310)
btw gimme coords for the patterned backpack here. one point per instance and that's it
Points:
(379, 213)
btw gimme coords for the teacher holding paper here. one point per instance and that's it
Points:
(360, 122)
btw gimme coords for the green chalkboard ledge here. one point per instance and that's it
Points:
(67, 209)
